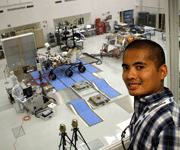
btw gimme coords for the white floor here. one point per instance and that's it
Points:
(111, 70)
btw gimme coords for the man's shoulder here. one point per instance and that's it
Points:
(170, 115)
(166, 116)
(175, 112)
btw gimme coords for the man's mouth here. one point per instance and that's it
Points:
(133, 86)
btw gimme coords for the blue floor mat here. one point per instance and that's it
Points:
(59, 74)
(105, 88)
(89, 67)
(87, 75)
(35, 75)
(77, 77)
(62, 80)
(67, 81)
(87, 114)
(57, 84)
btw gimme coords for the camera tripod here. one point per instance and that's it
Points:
(63, 138)
(75, 135)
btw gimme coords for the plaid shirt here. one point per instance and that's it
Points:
(161, 129)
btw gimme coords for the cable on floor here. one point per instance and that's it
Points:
(25, 118)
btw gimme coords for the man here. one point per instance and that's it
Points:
(41, 66)
(13, 78)
(17, 94)
(155, 123)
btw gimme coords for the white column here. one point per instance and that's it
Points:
(172, 40)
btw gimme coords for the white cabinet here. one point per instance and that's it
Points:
(25, 1)
(3, 3)
(13, 2)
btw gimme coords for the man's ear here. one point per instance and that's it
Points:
(163, 71)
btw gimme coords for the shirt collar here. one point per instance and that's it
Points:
(155, 98)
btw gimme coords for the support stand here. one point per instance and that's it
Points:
(75, 135)
(64, 135)
(42, 84)
(63, 140)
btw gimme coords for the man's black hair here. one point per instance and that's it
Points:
(156, 52)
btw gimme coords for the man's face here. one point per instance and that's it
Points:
(140, 74)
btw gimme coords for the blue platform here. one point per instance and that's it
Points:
(57, 84)
(63, 82)
(85, 112)
(89, 67)
(35, 75)
(87, 75)
(105, 88)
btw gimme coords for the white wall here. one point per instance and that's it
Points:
(114, 6)
(153, 6)
(47, 10)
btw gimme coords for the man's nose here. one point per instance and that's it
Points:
(132, 73)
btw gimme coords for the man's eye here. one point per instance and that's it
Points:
(125, 68)
(140, 67)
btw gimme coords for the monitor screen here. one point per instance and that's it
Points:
(109, 17)
(88, 26)
(28, 92)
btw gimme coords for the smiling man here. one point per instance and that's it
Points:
(155, 123)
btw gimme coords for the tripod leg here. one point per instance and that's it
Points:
(64, 142)
(60, 143)
(76, 138)
(72, 140)
(83, 139)
(72, 143)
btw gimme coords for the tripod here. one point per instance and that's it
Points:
(75, 136)
(63, 139)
